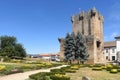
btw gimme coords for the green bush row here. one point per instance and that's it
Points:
(54, 74)
(60, 71)
(70, 71)
(109, 67)
(97, 68)
(59, 77)
(11, 69)
(51, 75)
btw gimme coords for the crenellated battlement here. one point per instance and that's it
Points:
(90, 24)
(87, 15)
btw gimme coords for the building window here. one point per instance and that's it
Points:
(106, 50)
(106, 57)
(113, 58)
(113, 50)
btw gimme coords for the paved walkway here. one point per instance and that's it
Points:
(25, 75)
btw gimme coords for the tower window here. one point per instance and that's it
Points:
(98, 44)
(80, 18)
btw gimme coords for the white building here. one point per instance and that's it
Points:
(118, 43)
(53, 57)
(118, 47)
(111, 49)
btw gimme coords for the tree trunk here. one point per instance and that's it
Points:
(78, 62)
(82, 62)
(70, 62)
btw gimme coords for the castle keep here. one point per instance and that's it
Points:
(90, 24)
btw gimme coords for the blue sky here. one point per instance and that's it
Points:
(37, 24)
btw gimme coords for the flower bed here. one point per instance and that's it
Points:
(54, 74)
(59, 77)
(70, 71)
(2, 68)
(6, 69)
(75, 67)
(113, 71)
(97, 68)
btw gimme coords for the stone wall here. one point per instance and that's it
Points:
(90, 24)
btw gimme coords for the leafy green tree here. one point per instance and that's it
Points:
(75, 48)
(10, 48)
(9, 51)
(7, 41)
(20, 51)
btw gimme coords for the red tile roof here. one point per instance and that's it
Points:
(46, 55)
(110, 44)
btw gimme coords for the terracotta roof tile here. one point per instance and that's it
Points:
(46, 55)
(110, 44)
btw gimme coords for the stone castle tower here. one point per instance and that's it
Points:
(90, 24)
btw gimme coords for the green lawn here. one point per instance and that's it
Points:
(94, 75)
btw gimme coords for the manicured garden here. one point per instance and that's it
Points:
(17, 66)
(76, 72)
(71, 72)
(97, 72)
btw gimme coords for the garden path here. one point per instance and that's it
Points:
(25, 75)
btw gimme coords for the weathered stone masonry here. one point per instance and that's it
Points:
(90, 24)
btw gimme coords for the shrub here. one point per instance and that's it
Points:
(81, 65)
(85, 65)
(97, 68)
(40, 76)
(56, 64)
(26, 66)
(67, 67)
(113, 71)
(47, 78)
(118, 70)
(115, 66)
(39, 66)
(75, 67)
(103, 67)
(59, 77)
(109, 67)
(2, 68)
(70, 71)
(6, 59)
(48, 65)
(43, 75)
(16, 61)
(91, 66)
(98, 65)
(7, 72)
(55, 71)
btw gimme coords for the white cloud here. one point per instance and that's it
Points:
(111, 37)
(114, 34)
